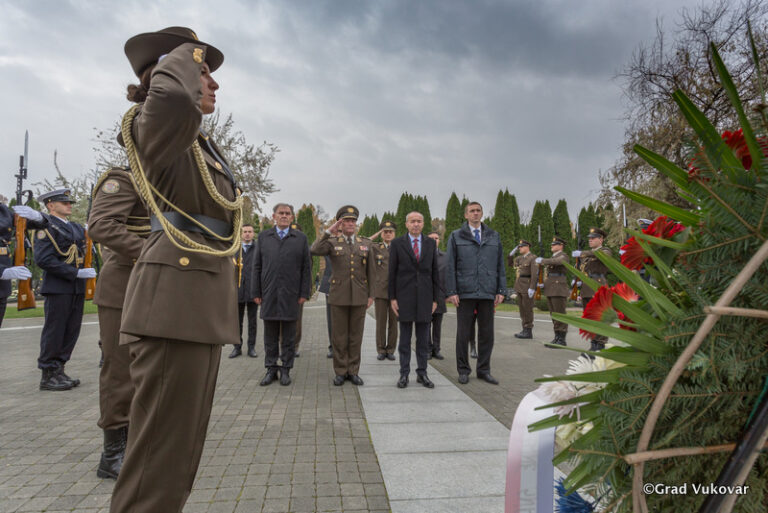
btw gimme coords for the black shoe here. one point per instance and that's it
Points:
(403, 381)
(285, 378)
(339, 380)
(488, 378)
(438, 356)
(75, 382)
(355, 379)
(51, 380)
(269, 377)
(296, 354)
(526, 333)
(424, 380)
(112, 456)
(381, 356)
(236, 351)
(594, 345)
(251, 352)
(463, 379)
(330, 354)
(390, 356)
(561, 338)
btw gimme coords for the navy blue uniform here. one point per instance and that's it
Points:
(64, 292)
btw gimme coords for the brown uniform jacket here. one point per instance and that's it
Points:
(527, 272)
(172, 293)
(594, 268)
(120, 224)
(380, 262)
(351, 268)
(556, 281)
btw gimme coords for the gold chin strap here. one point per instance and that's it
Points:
(70, 254)
(148, 193)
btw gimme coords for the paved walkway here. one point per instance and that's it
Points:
(306, 447)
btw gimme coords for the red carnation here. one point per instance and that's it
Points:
(601, 305)
(633, 257)
(736, 142)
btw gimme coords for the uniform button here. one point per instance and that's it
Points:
(184, 261)
(218, 166)
(352, 269)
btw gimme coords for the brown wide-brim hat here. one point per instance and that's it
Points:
(145, 49)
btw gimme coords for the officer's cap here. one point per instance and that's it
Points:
(596, 232)
(644, 223)
(348, 212)
(145, 49)
(387, 225)
(57, 195)
(524, 242)
(557, 240)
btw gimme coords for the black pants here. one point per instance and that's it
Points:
(437, 328)
(63, 317)
(422, 347)
(275, 347)
(464, 325)
(253, 309)
(328, 321)
(3, 304)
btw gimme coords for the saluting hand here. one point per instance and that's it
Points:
(372, 237)
(334, 228)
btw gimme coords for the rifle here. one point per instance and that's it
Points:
(25, 298)
(90, 283)
(575, 290)
(540, 280)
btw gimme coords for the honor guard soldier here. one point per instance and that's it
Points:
(556, 286)
(8, 271)
(59, 252)
(597, 270)
(181, 301)
(350, 292)
(525, 284)
(386, 320)
(119, 222)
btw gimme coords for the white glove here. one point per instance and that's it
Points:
(538, 260)
(512, 253)
(18, 272)
(87, 273)
(28, 213)
(576, 253)
(578, 283)
(531, 292)
(540, 285)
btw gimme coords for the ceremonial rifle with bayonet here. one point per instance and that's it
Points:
(540, 281)
(25, 298)
(90, 283)
(575, 289)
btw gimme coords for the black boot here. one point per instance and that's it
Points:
(53, 381)
(113, 453)
(237, 350)
(561, 338)
(75, 382)
(472, 349)
(526, 333)
(285, 378)
(269, 377)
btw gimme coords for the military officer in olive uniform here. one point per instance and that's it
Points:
(59, 252)
(386, 319)
(525, 284)
(8, 271)
(119, 222)
(556, 286)
(595, 269)
(350, 294)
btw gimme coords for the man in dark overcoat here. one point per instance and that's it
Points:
(414, 288)
(281, 277)
(245, 302)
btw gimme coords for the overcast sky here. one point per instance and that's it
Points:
(365, 99)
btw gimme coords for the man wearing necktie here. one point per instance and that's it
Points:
(414, 290)
(475, 280)
(245, 301)
(282, 271)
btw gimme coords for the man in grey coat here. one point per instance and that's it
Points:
(475, 280)
(281, 278)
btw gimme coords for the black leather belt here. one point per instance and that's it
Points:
(217, 226)
(556, 274)
(597, 276)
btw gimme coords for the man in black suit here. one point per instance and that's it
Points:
(244, 301)
(414, 290)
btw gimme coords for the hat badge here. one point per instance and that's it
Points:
(197, 55)
(350, 210)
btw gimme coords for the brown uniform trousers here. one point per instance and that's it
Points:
(527, 274)
(348, 296)
(386, 320)
(119, 223)
(556, 286)
(596, 270)
(180, 306)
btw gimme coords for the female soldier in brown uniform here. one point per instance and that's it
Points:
(181, 301)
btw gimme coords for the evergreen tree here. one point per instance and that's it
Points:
(503, 222)
(541, 216)
(423, 209)
(562, 223)
(306, 218)
(454, 216)
(514, 212)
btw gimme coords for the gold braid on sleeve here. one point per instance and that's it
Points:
(148, 193)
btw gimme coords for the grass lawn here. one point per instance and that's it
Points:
(12, 313)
